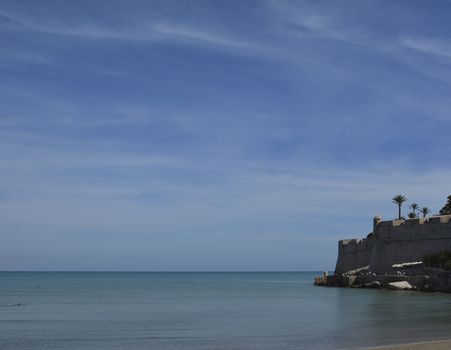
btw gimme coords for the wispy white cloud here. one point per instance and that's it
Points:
(8, 21)
(22, 56)
(191, 34)
(13, 21)
(61, 111)
(435, 46)
(71, 121)
(301, 21)
(243, 190)
(135, 31)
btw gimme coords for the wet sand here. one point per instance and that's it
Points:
(430, 345)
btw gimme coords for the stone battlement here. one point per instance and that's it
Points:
(442, 219)
(394, 242)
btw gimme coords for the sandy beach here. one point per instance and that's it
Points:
(430, 345)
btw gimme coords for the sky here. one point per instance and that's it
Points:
(215, 135)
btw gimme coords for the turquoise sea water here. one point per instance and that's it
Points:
(79, 310)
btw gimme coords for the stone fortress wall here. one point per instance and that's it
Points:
(395, 242)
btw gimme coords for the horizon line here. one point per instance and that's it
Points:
(167, 271)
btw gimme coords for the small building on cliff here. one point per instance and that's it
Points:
(394, 242)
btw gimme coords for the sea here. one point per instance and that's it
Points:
(192, 311)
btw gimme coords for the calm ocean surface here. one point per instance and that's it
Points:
(208, 311)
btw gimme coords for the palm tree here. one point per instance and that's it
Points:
(399, 199)
(425, 211)
(414, 207)
(446, 210)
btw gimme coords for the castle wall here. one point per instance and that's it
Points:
(394, 242)
(401, 241)
(353, 254)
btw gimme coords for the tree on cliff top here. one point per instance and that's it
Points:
(414, 207)
(399, 200)
(446, 210)
(425, 211)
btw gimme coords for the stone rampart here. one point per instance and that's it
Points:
(353, 253)
(394, 242)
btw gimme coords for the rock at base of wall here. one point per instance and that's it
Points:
(359, 271)
(374, 284)
(320, 281)
(402, 285)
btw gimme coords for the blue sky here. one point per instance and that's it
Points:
(215, 135)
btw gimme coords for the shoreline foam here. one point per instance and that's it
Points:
(425, 345)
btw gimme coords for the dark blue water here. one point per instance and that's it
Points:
(208, 311)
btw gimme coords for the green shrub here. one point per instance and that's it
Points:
(440, 260)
